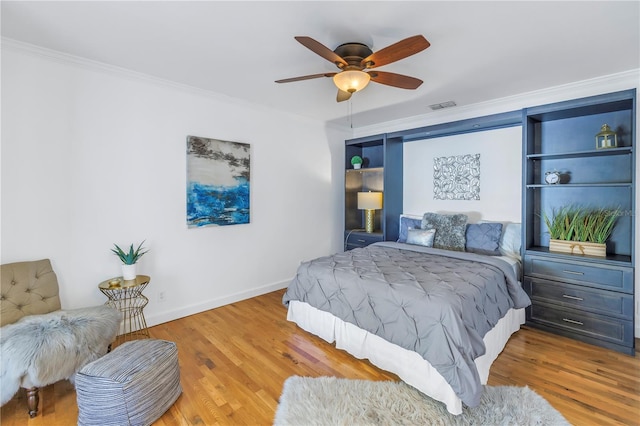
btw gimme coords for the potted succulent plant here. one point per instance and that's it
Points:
(129, 259)
(581, 230)
(356, 161)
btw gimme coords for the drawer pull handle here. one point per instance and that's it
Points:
(362, 241)
(572, 297)
(572, 321)
(573, 272)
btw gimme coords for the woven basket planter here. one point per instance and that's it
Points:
(578, 247)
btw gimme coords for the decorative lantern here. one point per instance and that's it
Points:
(606, 138)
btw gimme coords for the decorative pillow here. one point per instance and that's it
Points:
(421, 237)
(450, 230)
(511, 240)
(406, 223)
(484, 238)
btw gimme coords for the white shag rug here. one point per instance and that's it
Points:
(334, 401)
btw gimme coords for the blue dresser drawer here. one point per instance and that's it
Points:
(583, 273)
(604, 302)
(602, 328)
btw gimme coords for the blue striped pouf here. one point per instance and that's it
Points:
(132, 385)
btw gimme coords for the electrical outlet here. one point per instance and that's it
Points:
(161, 296)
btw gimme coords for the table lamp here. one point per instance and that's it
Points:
(369, 202)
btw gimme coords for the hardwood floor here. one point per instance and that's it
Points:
(234, 360)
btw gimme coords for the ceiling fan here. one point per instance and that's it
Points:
(354, 59)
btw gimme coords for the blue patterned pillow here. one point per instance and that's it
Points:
(421, 237)
(484, 238)
(450, 230)
(407, 223)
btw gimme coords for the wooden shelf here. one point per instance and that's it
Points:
(623, 260)
(577, 154)
(366, 170)
(581, 185)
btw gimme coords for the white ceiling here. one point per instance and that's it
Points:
(479, 50)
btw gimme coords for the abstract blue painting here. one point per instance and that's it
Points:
(218, 175)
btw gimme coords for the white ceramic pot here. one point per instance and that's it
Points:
(357, 166)
(129, 272)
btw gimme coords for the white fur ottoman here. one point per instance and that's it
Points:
(132, 385)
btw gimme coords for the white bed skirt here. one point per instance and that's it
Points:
(409, 366)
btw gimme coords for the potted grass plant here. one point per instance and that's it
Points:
(129, 259)
(581, 230)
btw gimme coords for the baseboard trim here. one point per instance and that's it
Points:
(185, 311)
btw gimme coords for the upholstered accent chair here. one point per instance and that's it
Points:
(41, 344)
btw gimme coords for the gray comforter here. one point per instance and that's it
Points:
(437, 303)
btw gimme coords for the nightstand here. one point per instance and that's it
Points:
(359, 238)
(127, 297)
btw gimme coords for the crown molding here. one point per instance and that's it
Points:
(68, 59)
(608, 83)
(97, 66)
(595, 86)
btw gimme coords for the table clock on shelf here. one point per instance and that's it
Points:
(552, 178)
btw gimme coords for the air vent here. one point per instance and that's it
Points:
(442, 105)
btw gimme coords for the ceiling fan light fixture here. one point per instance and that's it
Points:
(351, 81)
(353, 58)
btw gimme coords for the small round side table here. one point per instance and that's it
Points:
(127, 297)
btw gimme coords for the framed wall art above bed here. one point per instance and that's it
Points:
(456, 177)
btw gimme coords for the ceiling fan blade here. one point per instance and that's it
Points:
(306, 77)
(343, 96)
(322, 50)
(395, 80)
(395, 52)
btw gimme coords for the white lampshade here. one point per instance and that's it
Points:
(369, 200)
(351, 81)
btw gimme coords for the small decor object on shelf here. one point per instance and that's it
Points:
(606, 138)
(552, 178)
(129, 260)
(369, 202)
(581, 230)
(356, 161)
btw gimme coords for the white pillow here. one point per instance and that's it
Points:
(510, 241)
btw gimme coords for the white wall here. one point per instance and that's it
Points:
(500, 160)
(93, 156)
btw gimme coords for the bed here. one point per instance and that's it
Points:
(435, 317)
